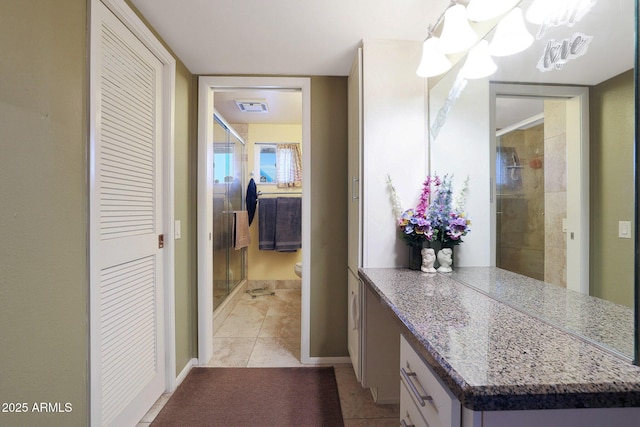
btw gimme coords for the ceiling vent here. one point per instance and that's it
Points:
(252, 105)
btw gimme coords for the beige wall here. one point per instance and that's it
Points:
(185, 196)
(43, 209)
(328, 216)
(43, 219)
(270, 265)
(612, 187)
(43, 214)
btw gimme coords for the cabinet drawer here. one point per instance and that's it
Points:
(436, 403)
(409, 413)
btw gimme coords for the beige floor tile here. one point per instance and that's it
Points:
(281, 310)
(283, 307)
(357, 402)
(281, 326)
(274, 352)
(231, 352)
(289, 284)
(293, 344)
(235, 326)
(249, 305)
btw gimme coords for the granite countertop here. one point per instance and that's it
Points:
(495, 357)
(604, 323)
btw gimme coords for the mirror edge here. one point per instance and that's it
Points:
(636, 360)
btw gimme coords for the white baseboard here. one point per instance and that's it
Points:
(327, 361)
(190, 364)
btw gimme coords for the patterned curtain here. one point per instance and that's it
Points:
(289, 165)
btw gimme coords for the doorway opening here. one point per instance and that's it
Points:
(213, 91)
(541, 170)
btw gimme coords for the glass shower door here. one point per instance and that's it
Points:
(221, 236)
(520, 190)
(229, 266)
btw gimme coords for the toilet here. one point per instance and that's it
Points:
(298, 269)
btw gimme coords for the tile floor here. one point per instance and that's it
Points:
(265, 332)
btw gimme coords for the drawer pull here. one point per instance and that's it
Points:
(404, 423)
(422, 398)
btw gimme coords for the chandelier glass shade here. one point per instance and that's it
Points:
(457, 35)
(479, 63)
(433, 61)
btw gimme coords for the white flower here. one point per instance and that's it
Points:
(396, 205)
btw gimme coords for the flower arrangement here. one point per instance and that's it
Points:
(435, 218)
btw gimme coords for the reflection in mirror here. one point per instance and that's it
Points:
(542, 190)
(520, 207)
(516, 146)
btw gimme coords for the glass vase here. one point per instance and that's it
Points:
(415, 257)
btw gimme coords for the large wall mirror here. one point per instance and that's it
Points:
(549, 144)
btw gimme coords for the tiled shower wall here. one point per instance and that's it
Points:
(555, 191)
(532, 241)
(521, 238)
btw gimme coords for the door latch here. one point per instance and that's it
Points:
(160, 241)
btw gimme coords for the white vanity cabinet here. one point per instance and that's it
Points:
(387, 111)
(354, 212)
(424, 399)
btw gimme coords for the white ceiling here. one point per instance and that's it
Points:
(282, 37)
(308, 38)
(285, 107)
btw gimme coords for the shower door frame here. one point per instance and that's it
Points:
(231, 133)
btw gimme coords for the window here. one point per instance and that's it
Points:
(279, 164)
(265, 166)
(222, 163)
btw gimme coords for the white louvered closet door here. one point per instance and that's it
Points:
(126, 219)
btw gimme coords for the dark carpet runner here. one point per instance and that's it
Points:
(247, 397)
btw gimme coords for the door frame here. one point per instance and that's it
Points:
(129, 18)
(207, 85)
(578, 206)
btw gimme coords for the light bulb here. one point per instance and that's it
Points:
(433, 61)
(457, 35)
(479, 63)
